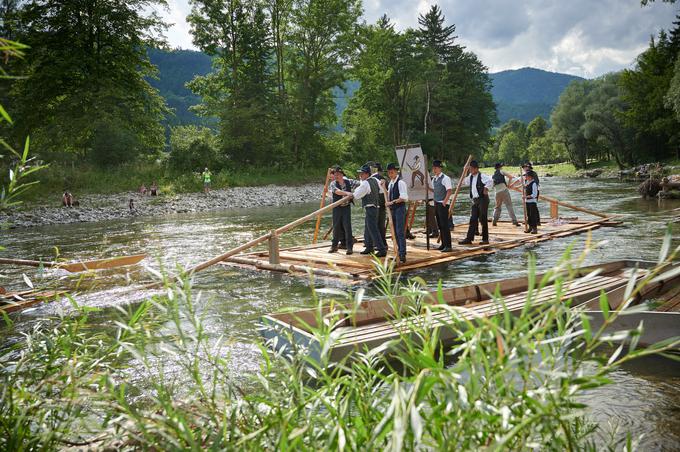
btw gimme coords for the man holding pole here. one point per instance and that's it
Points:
(376, 169)
(480, 184)
(369, 193)
(441, 188)
(397, 195)
(342, 215)
(502, 194)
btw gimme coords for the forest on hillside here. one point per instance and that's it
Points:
(83, 89)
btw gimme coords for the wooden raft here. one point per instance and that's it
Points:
(358, 268)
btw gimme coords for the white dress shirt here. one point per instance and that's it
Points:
(362, 190)
(486, 180)
(403, 190)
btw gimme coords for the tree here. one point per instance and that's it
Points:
(644, 90)
(86, 76)
(568, 119)
(537, 128)
(193, 148)
(672, 100)
(511, 148)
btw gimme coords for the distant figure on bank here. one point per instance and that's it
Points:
(342, 215)
(67, 199)
(441, 188)
(142, 189)
(369, 193)
(397, 195)
(207, 179)
(153, 190)
(531, 196)
(131, 204)
(479, 184)
(502, 194)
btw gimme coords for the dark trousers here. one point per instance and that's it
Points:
(442, 213)
(372, 238)
(342, 226)
(432, 227)
(382, 224)
(399, 222)
(479, 213)
(533, 217)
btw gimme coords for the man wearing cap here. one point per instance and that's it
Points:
(397, 196)
(479, 184)
(340, 187)
(502, 194)
(376, 169)
(369, 193)
(441, 188)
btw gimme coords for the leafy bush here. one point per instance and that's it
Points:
(193, 148)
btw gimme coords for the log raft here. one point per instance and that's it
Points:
(314, 259)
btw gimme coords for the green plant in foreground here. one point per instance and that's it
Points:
(158, 379)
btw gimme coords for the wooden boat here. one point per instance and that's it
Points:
(661, 322)
(378, 322)
(16, 301)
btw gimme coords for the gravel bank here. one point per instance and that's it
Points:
(110, 207)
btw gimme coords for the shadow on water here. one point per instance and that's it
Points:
(642, 398)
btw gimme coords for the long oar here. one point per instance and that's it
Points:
(323, 201)
(74, 267)
(567, 205)
(452, 202)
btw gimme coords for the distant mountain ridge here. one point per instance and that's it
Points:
(528, 92)
(519, 93)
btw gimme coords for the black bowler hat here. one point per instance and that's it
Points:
(437, 163)
(532, 174)
(392, 166)
(364, 169)
(527, 165)
(337, 169)
(498, 165)
(377, 166)
(474, 164)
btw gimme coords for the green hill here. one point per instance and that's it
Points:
(526, 93)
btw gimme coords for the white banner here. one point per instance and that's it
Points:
(413, 171)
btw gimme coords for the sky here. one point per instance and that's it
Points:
(587, 38)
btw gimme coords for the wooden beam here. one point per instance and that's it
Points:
(274, 248)
(323, 201)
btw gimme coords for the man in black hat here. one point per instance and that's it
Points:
(526, 167)
(397, 195)
(480, 184)
(441, 188)
(340, 187)
(369, 193)
(376, 169)
(531, 198)
(502, 194)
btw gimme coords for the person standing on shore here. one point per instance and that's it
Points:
(441, 188)
(340, 187)
(207, 180)
(531, 198)
(369, 193)
(480, 184)
(397, 195)
(502, 194)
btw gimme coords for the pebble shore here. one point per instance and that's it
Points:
(116, 206)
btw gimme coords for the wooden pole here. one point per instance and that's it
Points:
(274, 248)
(323, 201)
(567, 205)
(389, 221)
(74, 267)
(264, 238)
(427, 201)
(466, 167)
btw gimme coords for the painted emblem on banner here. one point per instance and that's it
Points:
(413, 170)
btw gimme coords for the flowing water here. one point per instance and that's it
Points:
(644, 400)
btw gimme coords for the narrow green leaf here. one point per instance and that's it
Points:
(604, 305)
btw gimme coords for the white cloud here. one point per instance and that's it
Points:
(581, 37)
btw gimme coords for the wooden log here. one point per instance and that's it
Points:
(554, 210)
(323, 201)
(74, 267)
(273, 248)
(261, 239)
(567, 205)
(452, 202)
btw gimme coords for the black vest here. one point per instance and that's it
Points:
(498, 177)
(480, 185)
(394, 194)
(528, 189)
(381, 198)
(346, 187)
(374, 196)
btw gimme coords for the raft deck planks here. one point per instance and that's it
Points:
(358, 268)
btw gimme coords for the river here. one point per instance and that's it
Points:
(644, 400)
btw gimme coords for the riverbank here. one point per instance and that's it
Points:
(105, 207)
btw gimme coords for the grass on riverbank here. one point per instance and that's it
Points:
(510, 382)
(87, 179)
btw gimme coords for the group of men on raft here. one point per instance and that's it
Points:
(378, 194)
